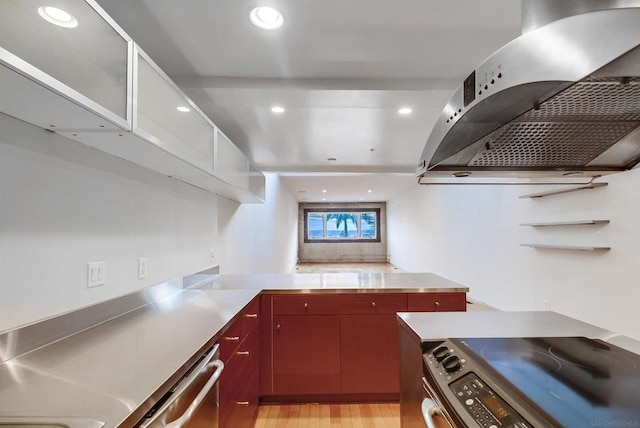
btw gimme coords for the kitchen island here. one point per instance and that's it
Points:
(114, 368)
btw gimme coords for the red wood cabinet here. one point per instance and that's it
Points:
(239, 381)
(331, 344)
(306, 354)
(369, 342)
(239, 392)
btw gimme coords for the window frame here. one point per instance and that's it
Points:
(358, 211)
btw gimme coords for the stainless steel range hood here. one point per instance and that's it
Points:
(561, 100)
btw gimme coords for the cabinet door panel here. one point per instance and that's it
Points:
(306, 354)
(228, 384)
(370, 354)
(435, 302)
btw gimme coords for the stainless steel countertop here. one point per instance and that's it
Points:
(341, 282)
(442, 325)
(108, 371)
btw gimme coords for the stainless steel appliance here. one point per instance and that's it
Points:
(531, 382)
(562, 100)
(193, 401)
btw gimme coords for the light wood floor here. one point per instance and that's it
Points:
(313, 415)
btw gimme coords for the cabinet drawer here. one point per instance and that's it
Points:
(251, 317)
(230, 340)
(239, 385)
(436, 302)
(373, 303)
(306, 304)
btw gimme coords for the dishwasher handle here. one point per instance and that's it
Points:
(205, 363)
(429, 410)
(186, 416)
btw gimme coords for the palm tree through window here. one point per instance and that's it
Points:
(352, 225)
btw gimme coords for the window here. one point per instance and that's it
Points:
(342, 225)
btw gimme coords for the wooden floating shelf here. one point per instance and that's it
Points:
(566, 223)
(563, 190)
(566, 247)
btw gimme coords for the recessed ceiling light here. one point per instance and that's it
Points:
(369, 191)
(58, 17)
(405, 110)
(324, 199)
(266, 18)
(277, 109)
(183, 109)
(302, 191)
(324, 190)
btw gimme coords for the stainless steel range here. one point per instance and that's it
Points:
(532, 382)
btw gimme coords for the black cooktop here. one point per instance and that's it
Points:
(578, 382)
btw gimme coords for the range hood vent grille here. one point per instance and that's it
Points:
(570, 129)
(549, 144)
(606, 100)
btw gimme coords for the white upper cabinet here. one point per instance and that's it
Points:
(167, 118)
(230, 163)
(70, 56)
(257, 183)
(68, 67)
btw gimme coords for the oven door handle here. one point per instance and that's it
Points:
(429, 410)
(195, 404)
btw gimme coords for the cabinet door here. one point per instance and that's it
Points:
(306, 354)
(228, 383)
(87, 64)
(437, 302)
(369, 354)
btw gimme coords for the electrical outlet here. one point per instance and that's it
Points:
(547, 305)
(142, 268)
(212, 253)
(96, 274)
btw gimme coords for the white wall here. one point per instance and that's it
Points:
(472, 235)
(259, 238)
(63, 205)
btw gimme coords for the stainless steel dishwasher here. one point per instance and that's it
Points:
(193, 401)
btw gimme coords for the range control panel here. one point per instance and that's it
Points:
(486, 408)
(469, 393)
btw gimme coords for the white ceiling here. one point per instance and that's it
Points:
(340, 68)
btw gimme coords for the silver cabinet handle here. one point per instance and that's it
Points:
(306, 305)
(429, 410)
(373, 304)
(251, 315)
(188, 414)
(232, 338)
